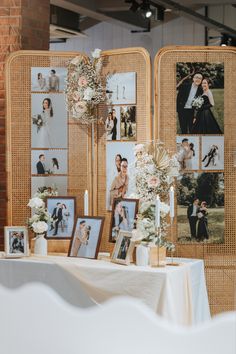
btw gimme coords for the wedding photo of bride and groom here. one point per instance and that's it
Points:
(200, 211)
(200, 152)
(200, 98)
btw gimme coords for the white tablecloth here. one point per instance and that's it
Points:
(177, 293)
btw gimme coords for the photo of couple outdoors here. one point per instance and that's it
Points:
(200, 98)
(200, 212)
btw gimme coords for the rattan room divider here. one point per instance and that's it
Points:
(219, 259)
(86, 145)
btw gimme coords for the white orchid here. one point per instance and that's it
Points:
(36, 202)
(96, 53)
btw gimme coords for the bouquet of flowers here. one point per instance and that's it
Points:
(155, 173)
(84, 89)
(38, 121)
(38, 222)
(197, 102)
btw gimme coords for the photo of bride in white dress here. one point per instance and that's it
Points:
(188, 152)
(49, 121)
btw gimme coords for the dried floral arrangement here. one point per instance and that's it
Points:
(155, 171)
(84, 89)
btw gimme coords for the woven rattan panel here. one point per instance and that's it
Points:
(120, 61)
(19, 139)
(219, 259)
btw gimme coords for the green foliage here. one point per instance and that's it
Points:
(214, 72)
(207, 187)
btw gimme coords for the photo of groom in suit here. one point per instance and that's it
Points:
(57, 217)
(41, 165)
(186, 93)
(192, 212)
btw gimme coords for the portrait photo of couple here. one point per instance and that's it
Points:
(48, 79)
(119, 171)
(200, 98)
(188, 153)
(212, 153)
(200, 211)
(121, 88)
(49, 162)
(16, 241)
(112, 124)
(62, 210)
(86, 237)
(128, 123)
(124, 213)
(49, 121)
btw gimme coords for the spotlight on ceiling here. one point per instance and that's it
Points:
(134, 6)
(145, 9)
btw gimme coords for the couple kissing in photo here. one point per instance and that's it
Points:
(194, 103)
(197, 214)
(185, 154)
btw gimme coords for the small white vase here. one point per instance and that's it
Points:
(142, 255)
(40, 245)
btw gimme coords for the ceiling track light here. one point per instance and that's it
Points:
(146, 9)
(134, 6)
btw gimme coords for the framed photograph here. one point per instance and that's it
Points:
(49, 162)
(112, 124)
(16, 241)
(212, 153)
(59, 183)
(188, 152)
(121, 88)
(128, 123)
(200, 210)
(124, 213)
(48, 121)
(200, 98)
(123, 249)
(48, 79)
(86, 237)
(120, 161)
(62, 210)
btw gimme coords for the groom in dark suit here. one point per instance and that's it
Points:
(192, 211)
(114, 129)
(57, 217)
(40, 165)
(186, 94)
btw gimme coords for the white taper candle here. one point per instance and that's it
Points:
(86, 203)
(172, 202)
(158, 212)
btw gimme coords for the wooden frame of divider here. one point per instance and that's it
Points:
(219, 258)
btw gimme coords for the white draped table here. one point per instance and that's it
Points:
(177, 293)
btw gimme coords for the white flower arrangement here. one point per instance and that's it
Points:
(197, 102)
(38, 222)
(84, 89)
(155, 171)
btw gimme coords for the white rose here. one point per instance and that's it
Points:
(96, 53)
(40, 227)
(36, 203)
(88, 94)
